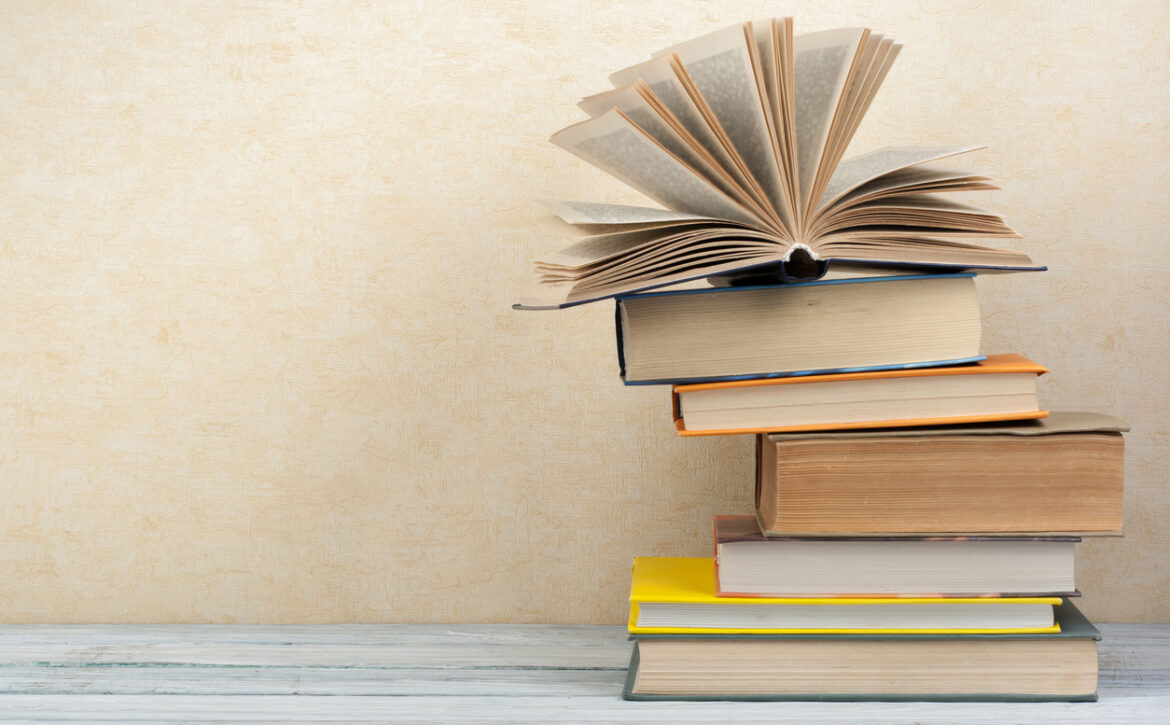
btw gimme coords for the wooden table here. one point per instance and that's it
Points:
(429, 673)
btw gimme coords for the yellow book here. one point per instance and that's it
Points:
(676, 595)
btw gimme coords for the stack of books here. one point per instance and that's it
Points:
(916, 508)
(916, 516)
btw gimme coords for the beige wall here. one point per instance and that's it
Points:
(257, 362)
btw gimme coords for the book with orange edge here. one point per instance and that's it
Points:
(1001, 364)
(691, 581)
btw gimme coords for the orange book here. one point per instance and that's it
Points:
(1002, 387)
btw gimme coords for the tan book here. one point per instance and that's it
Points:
(1001, 387)
(1004, 667)
(1059, 475)
(749, 564)
(849, 325)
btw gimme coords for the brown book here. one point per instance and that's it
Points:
(1059, 475)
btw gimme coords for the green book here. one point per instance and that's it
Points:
(1060, 666)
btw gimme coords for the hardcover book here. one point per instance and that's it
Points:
(1060, 475)
(798, 329)
(740, 135)
(1001, 387)
(671, 595)
(1060, 666)
(749, 564)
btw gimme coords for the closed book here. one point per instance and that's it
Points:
(1002, 387)
(749, 564)
(1060, 666)
(1060, 475)
(671, 595)
(798, 329)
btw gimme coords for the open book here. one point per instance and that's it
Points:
(739, 134)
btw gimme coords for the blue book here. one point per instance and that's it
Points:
(808, 328)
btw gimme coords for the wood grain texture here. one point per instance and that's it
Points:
(257, 361)
(405, 673)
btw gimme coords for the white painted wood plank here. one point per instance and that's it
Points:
(1124, 648)
(220, 708)
(349, 634)
(295, 655)
(312, 645)
(433, 673)
(308, 681)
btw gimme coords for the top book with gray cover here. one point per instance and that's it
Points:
(740, 135)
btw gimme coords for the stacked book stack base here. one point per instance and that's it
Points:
(692, 643)
(968, 667)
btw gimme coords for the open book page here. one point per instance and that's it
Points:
(916, 214)
(566, 293)
(721, 67)
(877, 59)
(923, 179)
(617, 146)
(768, 79)
(683, 270)
(604, 247)
(893, 249)
(659, 76)
(596, 212)
(778, 34)
(774, 49)
(822, 63)
(668, 258)
(847, 107)
(635, 101)
(854, 172)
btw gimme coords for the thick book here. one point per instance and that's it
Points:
(1060, 475)
(671, 595)
(1061, 666)
(1001, 387)
(732, 333)
(749, 564)
(740, 135)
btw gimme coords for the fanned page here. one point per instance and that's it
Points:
(924, 179)
(876, 60)
(639, 104)
(600, 213)
(614, 144)
(721, 68)
(867, 167)
(822, 63)
(740, 135)
(667, 91)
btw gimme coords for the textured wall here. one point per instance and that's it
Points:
(256, 356)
